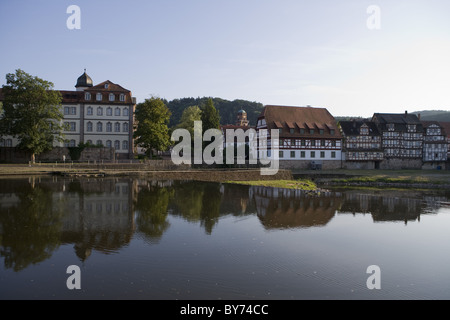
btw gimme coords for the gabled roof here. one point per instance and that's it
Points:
(400, 120)
(112, 87)
(303, 117)
(446, 126)
(352, 128)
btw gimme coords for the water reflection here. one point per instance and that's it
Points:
(39, 215)
(392, 205)
(284, 208)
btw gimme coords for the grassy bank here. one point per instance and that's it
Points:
(302, 184)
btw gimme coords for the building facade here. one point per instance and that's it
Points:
(435, 145)
(100, 115)
(361, 144)
(402, 140)
(309, 137)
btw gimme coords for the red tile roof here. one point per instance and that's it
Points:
(304, 117)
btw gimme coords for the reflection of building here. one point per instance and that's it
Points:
(285, 208)
(390, 205)
(100, 215)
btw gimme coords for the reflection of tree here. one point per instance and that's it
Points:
(198, 201)
(210, 206)
(151, 205)
(31, 230)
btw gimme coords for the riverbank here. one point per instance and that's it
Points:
(419, 179)
(216, 175)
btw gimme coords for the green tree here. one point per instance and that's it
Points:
(210, 116)
(152, 117)
(31, 112)
(188, 117)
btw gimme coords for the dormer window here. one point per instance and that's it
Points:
(111, 97)
(99, 97)
(390, 127)
(106, 86)
(364, 130)
(122, 97)
(87, 96)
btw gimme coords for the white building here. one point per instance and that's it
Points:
(99, 115)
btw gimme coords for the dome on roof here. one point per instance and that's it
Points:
(241, 111)
(84, 81)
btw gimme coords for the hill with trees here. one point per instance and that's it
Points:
(227, 109)
(433, 115)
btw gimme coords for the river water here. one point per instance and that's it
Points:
(143, 239)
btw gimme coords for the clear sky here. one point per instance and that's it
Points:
(286, 52)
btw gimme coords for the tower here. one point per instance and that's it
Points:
(242, 118)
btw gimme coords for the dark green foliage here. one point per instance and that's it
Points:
(31, 112)
(227, 109)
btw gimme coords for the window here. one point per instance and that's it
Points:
(72, 143)
(99, 142)
(117, 145)
(106, 86)
(99, 111)
(292, 154)
(313, 143)
(109, 111)
(332, 131)
(99, 97)
(292, 131)
(333, 154)
(122, 97)
(2, 142)
(302, 154)
(322, 143)
(8, 143)
(89, 127)
(302, 131)
(66, 110)
(390, 127)
(333, 143)
(125, 112)
(311, 131)
(302, 143)
(117, 112)
(313, 154)
(90, 111)
(109, 127)
(73, 110)
(108, 143)
(125, 127)
(125, 145)
(99, 127)
(89, 142)
(280, 131)
(321, 131)
(322, 154)
(117, 127)
(111, 97)
(269, 153)
(87, 96)
(70, 126)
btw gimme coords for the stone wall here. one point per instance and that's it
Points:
(16, 155)
(359, 165)
(397, 164)
(306, 164)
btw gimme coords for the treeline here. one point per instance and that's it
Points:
(227, 109)
(433, 115)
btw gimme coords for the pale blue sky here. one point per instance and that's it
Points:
(285, 52)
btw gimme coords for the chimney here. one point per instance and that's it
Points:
(418, 116)
(406, 113)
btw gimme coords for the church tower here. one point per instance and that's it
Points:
(242, 119)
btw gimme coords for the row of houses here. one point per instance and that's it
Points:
(312, 138)
(309, 137)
